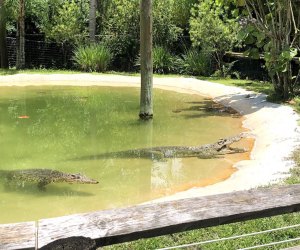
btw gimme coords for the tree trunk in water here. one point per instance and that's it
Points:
(92, 21)
(3, 47)
(146, 99)
(20, 64)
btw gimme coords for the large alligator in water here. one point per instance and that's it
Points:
(43, 177)
(207, 151)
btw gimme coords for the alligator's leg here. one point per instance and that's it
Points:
(157, 155)
(209, 154)
(42, 185)
(231, 150)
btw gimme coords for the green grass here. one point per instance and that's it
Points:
(36, 71)
(223, 232)
(4, 72)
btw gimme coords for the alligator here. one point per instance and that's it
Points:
(43, 177)
(207, 151)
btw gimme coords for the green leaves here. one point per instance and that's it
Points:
(66, 25)
(279, 62)
(93, 57)
(253, 53)
(212, 28)
(289, 53)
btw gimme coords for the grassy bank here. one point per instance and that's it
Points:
(4, 72)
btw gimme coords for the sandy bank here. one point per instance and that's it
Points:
(274, 126)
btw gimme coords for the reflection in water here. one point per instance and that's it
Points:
(165, 174)
(64, 123)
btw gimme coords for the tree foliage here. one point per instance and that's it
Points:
(213, 28)
(3, 47)
(165, 30)
(67, 23)
(272, 28)
(181, 13)
(121, 30)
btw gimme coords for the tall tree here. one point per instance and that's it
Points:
(273, 27)
(146, 98)
(3, 47)
(20, 64)
(102, 7)
(92, 21)
(214, 29)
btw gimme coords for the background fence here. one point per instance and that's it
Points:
(41, 54)
(52, 55)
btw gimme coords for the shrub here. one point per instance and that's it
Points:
(195, 62)
(95, 57)
(163, 61)
(120, 32)
(213, 28)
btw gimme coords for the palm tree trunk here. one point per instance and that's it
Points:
(92, 21)
(20, 64)
(146, 98)
(3, 47)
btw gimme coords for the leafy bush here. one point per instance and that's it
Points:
(213, 28)
(196, 62)
(163, 61)
(66, 24)
(95, 57)
(165, 30)
(120, 32)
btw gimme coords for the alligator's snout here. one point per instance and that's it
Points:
(79, 178)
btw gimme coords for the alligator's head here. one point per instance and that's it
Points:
(78, 178)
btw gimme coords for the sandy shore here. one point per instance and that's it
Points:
(274, 127)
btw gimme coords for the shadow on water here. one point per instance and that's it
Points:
(126, 154)
(251, 103)
(50, 190)
(207, 108)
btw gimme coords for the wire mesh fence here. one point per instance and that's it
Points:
(42, 54)
(53, 55)
(257, 245)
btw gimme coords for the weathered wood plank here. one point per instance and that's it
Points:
(293, 248)
(18, 236)
(120, 225)
(241, 55)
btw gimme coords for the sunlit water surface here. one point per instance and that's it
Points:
(53, 127)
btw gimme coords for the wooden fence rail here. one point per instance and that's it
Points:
(126, 224)
(241, 55)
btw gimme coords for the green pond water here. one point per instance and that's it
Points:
(65, 128)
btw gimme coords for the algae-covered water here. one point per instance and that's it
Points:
(65, 128)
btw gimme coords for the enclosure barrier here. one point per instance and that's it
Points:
(242, 55)
(142, 221)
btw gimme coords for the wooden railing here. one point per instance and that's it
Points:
(127, 224)
(241, 55)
